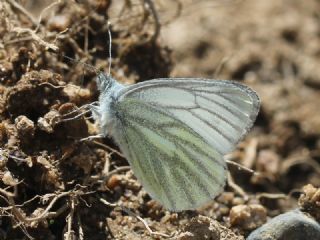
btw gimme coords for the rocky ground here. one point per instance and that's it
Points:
(54, 186)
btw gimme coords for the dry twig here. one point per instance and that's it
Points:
(108, 148)
(80, 231)
(17, 212)
(70, 235)
(154, 13)
(237, 188)
(19, 7)
(300, 160)
(241, 167)
(35, 37)
(271, 196)
(117, 170)
(44, 10)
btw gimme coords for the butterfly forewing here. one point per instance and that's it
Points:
(221, 112)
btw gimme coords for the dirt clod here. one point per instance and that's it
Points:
(25, 128)
(309, 201)
(249, 217)
(48, 121)
(201, 228)
(8, 179)
(53, 179)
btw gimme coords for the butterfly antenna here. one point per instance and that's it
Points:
(110, 45)
(80, 62)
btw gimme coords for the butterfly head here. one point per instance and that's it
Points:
(104, 82)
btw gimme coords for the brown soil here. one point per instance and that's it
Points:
(54, 186)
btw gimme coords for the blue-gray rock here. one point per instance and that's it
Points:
(293, 225)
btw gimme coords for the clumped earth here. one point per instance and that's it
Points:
(55, 186)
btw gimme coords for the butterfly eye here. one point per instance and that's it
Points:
(103, 81)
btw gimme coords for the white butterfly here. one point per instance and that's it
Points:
(175, 131)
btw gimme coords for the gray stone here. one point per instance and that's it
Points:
(293, 225)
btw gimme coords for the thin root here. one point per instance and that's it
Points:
(237, 188)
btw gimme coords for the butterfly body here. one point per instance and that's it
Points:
(105, 113)
(174, 133)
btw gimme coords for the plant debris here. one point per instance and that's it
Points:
(54, 185)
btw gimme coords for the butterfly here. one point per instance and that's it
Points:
(174, 132)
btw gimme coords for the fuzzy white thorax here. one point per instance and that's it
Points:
(103, 113)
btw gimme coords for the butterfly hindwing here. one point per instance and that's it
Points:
(222, 112)
(175, 164)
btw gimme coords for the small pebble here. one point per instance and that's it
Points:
(248, 217)
(268, 164)
(309, 201)
(114, 181)
(9, 180)
(226, 198)
(25, 127)
(293, 225)
(48, 122)
(3, 135)
(59, 23)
